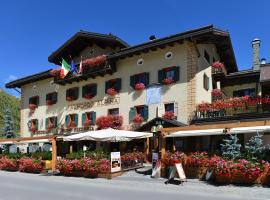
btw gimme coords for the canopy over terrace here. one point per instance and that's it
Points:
(108, 135)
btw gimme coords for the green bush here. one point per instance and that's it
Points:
(35, 155)
(97, 154)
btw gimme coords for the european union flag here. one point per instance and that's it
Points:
(73, 69)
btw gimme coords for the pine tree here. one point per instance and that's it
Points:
(254, 147)
(230, 149)
(8, 122)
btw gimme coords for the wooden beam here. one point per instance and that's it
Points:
(54, 154)
(227, 125)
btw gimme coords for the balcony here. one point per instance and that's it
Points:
(238, 108)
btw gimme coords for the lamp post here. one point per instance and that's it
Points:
(84, 150)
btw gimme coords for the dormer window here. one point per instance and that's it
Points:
(168, 75)
(51, 98)
(112, 87)
(72, 94)
(89, 91)
(139, 81)
(33, 102)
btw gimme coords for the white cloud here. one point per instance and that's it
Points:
(11, 78)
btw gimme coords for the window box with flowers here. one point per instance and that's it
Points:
(72, 94)
(51, 98)
(112, 87)
(218, 67)
(169, 115)
(51, 123)
(168, 75)
(33, 102)
(71, 121)
(109, 121)
(89, 91)
(88, 119)
(139, 81)
(138, 119)
(138, 113)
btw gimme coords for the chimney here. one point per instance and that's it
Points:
(256, 53)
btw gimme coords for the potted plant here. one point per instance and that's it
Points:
(139, 86)
(218, 66)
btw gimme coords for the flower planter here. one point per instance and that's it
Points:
(201, 172)
(139, 86)
(167, 81)
(238, 178)
(191, 171)
(222, 179)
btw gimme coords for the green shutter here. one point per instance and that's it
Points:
(37, 125)
(146, 74)
(118, 84)
(132, 81)
(93, 118)
(160, 76)
(46, 123)
(67, 120)
(176, 74)
(106, 86)
(83, 118)
(54, 97)
(94, 89)
(47, 97)
(145, 111)
(132, 114)
(55, 122)
(76, 119)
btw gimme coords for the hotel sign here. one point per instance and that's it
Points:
(92, 104)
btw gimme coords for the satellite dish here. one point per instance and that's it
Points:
(56, 88)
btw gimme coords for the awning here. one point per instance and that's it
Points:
(8, 142)
(197, 133)
(34, 141)
(110, 135)
(251, 129)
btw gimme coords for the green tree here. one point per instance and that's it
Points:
(8, 124)
(231, 149)
(255, 148)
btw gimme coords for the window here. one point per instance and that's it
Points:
(113, 111)
(206, 56)
(169, 107)
(168, 73)
(143, 111)
(51, 98)
(50, 123)
(72, 94)
(168, 55)
(139, 78)
(244, 92)
(114, 83)
(206, 82)
(33, 125)
(89, 91)
(72, 120)
(140, 62)
(88, 119)
(34, 100)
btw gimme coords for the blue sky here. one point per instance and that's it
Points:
(31, 30)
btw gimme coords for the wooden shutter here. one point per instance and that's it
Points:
(84, 88)
(160, 76)
(67, 120)
(145, 111)
(83, 118)
(46, 123)
(176, 74)
(93, 118)
(132, 81)
(54, 97)
(76, 93)
(146, 74)
(76, 119)
(132, 114)
(47, 97)
(37, 100)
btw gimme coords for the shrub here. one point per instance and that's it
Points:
(30, 165)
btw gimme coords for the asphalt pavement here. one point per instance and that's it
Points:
(23, 186)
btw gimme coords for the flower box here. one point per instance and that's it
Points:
(191, 171)
(222, 179)
(70, 98)
(240, 178)
(55, 72)
(87, 123)
(30, 165)
(32, 106)
(169, 115)
(167, 81)
(139, 86)
(138, 119)
(33, 129)
(72, 124)
(88, 96)
(111, 91)
(49, 102)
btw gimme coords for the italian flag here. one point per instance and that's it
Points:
(64, 69)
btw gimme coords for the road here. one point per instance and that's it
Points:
(22, 186)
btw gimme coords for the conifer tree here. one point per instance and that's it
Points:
(231, 149)
(8, 124)
(255, 148)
